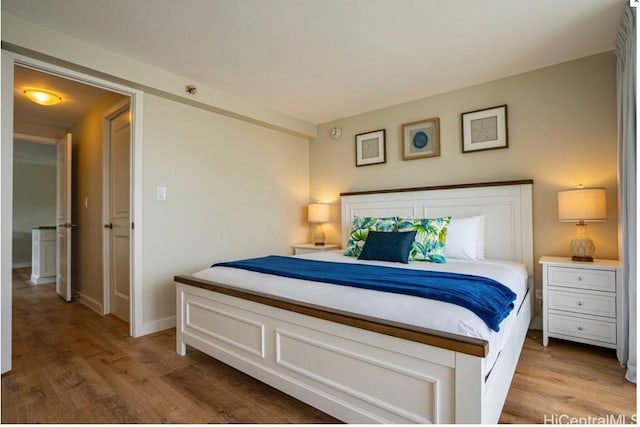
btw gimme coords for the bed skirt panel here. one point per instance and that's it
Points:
(356, 375)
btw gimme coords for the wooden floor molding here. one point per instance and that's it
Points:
(71, 365)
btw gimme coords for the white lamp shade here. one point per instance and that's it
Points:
(318, 212)
(582, 204)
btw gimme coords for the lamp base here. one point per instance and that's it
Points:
(318, 236)
(582, 247)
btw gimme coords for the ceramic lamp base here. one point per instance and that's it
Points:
(582, 247)
(318, 236)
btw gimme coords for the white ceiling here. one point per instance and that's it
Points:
(319, 60)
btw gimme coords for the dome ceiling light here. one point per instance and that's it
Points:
(42, 97)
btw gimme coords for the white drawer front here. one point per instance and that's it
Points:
(588, 329)
(596, 305)
(582, 278)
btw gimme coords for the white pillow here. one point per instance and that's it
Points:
(465, 238)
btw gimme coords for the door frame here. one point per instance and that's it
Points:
(6, 212)
(111, 113)
(136, 324)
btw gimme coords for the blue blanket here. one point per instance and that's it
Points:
(490, 300)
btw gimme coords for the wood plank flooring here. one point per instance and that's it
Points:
(568, 380)
(71, 365)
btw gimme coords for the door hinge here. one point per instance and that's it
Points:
(132, 227)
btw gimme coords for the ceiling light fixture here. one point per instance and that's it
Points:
(42, 97)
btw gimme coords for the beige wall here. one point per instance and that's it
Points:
(34, 204)
(234, 190)
(562, 132)
(87, 182)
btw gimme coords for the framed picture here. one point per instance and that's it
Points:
(485, 129)
(371, 148)
(421, 139)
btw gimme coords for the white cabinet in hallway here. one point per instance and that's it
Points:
(43, 255)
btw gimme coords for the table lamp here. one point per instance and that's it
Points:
(582, 205)
(318, 213)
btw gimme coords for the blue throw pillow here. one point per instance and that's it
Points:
(388, 246)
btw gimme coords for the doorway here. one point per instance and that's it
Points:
(135, 272)
(79, 199)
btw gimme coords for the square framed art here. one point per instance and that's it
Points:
(485, 129)
(421, 139)
(371, 148)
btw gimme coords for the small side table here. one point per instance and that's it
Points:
(308, 248)
(582, 301)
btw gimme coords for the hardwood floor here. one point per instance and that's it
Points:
(568, 380)
(71, 365)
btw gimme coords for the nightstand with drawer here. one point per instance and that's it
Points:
(581, 301)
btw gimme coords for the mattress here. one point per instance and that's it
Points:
(421, 312)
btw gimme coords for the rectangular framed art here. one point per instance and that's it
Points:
(421, 139)
(485, 129)
(371, 148)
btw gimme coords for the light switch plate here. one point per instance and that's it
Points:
(161, 193)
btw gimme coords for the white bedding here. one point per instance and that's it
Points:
(406, 309)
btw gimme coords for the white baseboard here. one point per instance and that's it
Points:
(89, 302)
(158, 325)
(41, 280)
(147, 328)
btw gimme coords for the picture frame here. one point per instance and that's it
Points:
(421, 139)
(371, 148)
(485, 129)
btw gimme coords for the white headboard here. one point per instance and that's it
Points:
(507, 207)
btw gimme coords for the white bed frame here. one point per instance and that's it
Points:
(363, 370)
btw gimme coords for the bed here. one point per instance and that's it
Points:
(368, 365)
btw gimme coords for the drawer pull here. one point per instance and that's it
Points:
(579, 278)
(580, 303)
(580, 328)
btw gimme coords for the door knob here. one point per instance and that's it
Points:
(110, 225)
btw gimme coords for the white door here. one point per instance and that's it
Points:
(119, 226)
(63, 208)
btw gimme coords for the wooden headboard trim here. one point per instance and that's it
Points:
(440, 187)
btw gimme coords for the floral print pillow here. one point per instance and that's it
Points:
(360, 230)
(431, 235)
